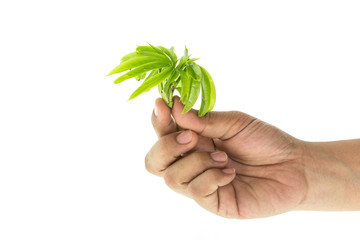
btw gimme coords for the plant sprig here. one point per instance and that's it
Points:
(157, 65)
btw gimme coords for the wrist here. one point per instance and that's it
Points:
(332, 178)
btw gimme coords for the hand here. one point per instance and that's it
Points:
(230, 163)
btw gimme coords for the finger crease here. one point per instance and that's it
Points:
(207, 120)
(218, 201)
(238, 132)
(236, 200)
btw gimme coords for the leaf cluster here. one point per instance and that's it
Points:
(157, 65)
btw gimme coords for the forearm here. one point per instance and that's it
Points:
(332, 170)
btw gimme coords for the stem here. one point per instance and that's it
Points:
(169, 101)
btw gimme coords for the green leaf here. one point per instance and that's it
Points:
(194, 93)
(182, 62)
(143, 51)
(186, 85)
(152, 82)
(129, 56)
(139, 70)
(179, 88)
(156, 49)
(194, 70)
(170, 54)
(174, 76)
(208, 94)
(193, 59)
(208, 78)
(161, 88)
(150, 51)
(140, 76)
(136, 62)
(173, 55)
(186, 52)
(146, 49)
(152, 73)
(184, 58)
(161, 85)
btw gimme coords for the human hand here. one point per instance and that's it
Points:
(259, 171)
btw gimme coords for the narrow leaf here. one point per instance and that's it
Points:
(186, 52)
(182, 62)
(208, 94)
(173, 55)
(171, 80)
(136, 62)
(152, 73)
(186, 84)
(161, 87)
(139, 70)
(179, 88)
(193, 59)
(169, 53)
(150, 51)
(209, 81)
(129, 56)
(152, 82)
(156, 49)
(194, 70)
(194, 93)
(140, 76)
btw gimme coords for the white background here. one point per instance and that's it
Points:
(72, 147)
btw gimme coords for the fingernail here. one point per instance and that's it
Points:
(156, 111)
(219, 156)
(228, 170)
(184, 137)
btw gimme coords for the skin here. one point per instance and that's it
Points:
(238, 166)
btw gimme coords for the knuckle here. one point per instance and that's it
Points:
(147, 163)
(170, 179)
(163, 143)
(215, 174)
(153, 156)
(202, 159)
(193, 190)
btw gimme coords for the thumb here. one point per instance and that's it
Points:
(221, 125)
(161, 119)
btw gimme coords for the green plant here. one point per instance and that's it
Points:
(160, 66)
